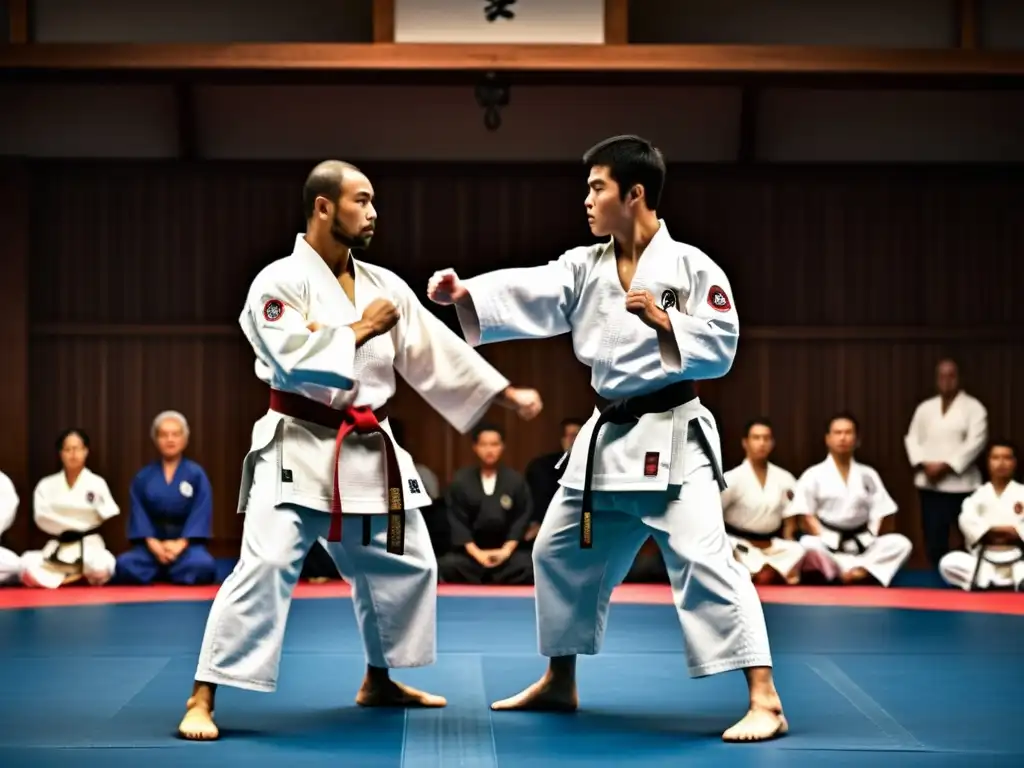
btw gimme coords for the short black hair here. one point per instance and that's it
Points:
(324, 181)
(842, 416)
(571, 421)
(68, 433)
(481, 428)
(760, 421)
(631, 160)
(1001, 442)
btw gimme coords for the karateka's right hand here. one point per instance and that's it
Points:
(445, 288)
(525, 402)
(381, 315)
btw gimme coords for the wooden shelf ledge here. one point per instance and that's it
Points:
(591, 59)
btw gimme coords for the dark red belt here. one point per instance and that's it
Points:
(363, 421)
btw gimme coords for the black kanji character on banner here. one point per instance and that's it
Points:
(499, 9)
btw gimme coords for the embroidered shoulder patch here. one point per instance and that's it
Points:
(668, 299)
(273, 310)
(718, 300)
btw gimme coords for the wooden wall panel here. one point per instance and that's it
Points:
(850, 283)
(14, 334)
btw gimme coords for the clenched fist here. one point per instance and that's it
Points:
(525, 402)
(445, 288)
(381, 315)
(378, 318)
(642, 304)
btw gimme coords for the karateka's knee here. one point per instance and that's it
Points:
(956, 569)
(900, 545)
(452, 566)
(136, 566)
(195, 566)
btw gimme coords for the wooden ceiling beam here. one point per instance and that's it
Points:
(596, 59)
(967, 24)
(383, 21)
(616, 22)
(17, 21)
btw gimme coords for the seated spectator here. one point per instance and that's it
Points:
(10, 563)
(992, 521)
(489, 508)
(754, 504)
(171, 515)
(843, 504)
(71, 505)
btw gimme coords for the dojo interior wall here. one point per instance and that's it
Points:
(850, 282)
(866, 230)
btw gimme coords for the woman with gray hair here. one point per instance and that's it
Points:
(171, 515)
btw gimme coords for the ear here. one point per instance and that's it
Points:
(323, 207)
(636, 192)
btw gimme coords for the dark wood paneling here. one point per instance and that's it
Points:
(850, 283)
(14, 336)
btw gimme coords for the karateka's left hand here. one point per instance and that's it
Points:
(642, 304)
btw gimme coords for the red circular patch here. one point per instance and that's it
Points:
(1018, 507)
(718, 300)
(273, 310)
(789, 495)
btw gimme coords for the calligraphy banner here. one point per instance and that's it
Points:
(499, 21)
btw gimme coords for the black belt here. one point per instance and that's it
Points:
(750, 535)
(980, 552)
(847, 534)
(70, 537)
(626, 411)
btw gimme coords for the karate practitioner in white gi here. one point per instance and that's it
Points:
(329, 332)
(648, 315)
(992, 521)
(70, 506)
(754, 503)
(944, 441)
(842, 504)
(10, 563)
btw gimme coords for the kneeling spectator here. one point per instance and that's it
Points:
(171, 514)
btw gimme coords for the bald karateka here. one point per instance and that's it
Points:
(992, 521)
(754, 504)
(946, 436)
(648, 315)
(842, 504)
(329, 334)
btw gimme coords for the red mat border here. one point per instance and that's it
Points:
(641, 594)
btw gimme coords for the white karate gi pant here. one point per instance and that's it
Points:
(883, 558)
(98, 565)
(783, 556)
(394, 596)
(10, 567)
(719, 609)
(958, 568)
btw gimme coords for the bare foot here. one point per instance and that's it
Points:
(546, 695)
(856, 576)
(388, 693)
(197, 724)
(759, 724)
